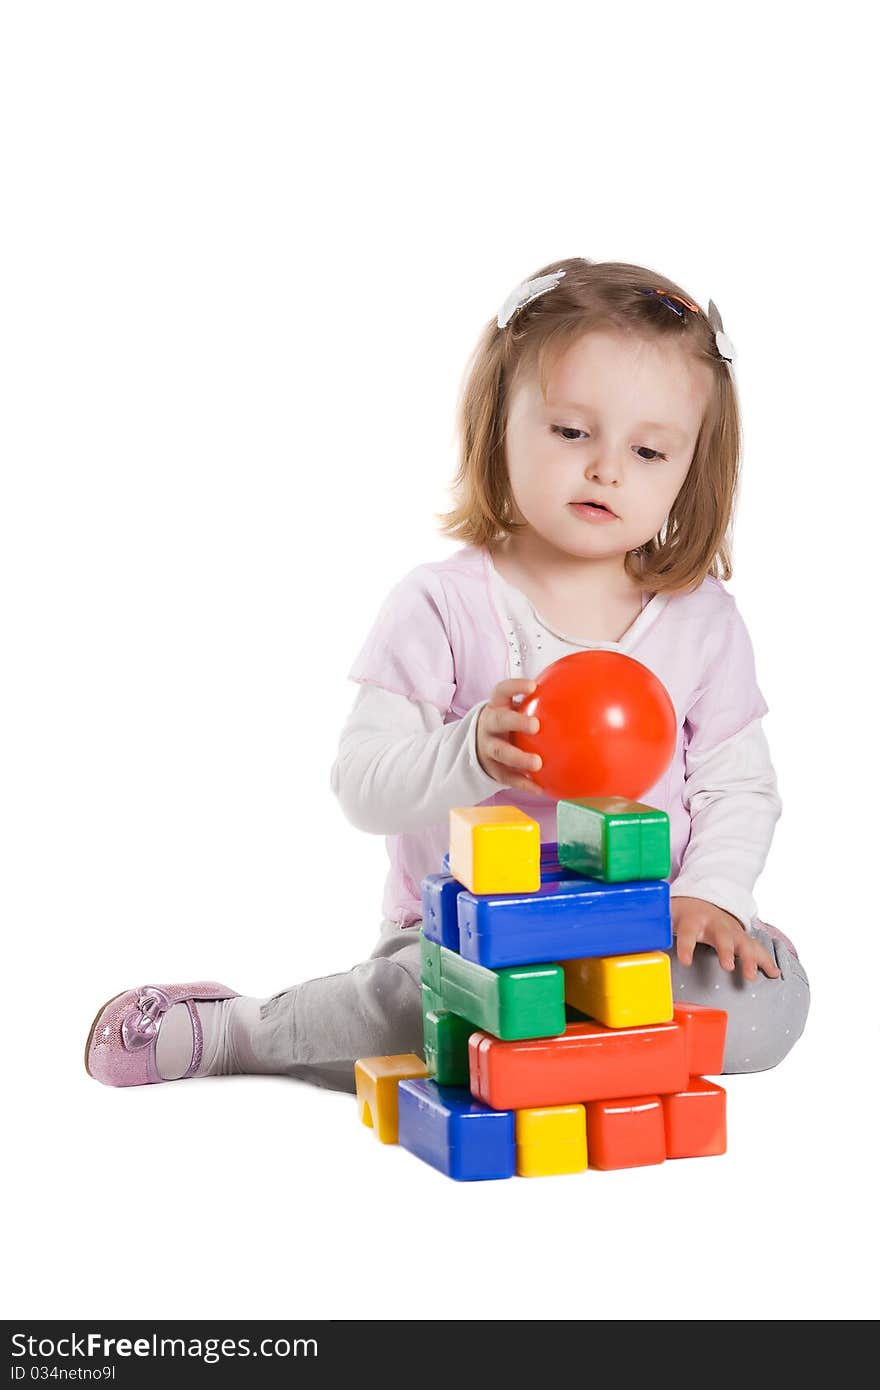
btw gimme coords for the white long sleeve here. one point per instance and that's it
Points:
(400, 768)
(734, 804)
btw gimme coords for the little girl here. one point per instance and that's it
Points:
(600, 444)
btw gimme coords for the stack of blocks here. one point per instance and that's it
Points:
(551, 1038)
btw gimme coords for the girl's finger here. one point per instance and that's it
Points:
(505, 719)
(726, 956)
(685, 941)
(508, 778)
(506, 754)
(754, 957)
(505, 689)
(767, 964)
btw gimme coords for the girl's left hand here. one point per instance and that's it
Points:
(694, 920)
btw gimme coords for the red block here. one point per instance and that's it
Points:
(586, 1062)
(706, 1030)
(625, 1133)
(695, 1121)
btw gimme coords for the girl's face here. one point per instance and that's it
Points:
(619, 427)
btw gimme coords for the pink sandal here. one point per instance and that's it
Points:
(121, 1046)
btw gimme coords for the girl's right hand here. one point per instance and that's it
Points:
(497, 755)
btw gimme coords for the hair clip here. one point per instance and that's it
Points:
(667, 297)
(525, 293)
(722, 342)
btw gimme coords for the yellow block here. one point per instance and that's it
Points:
(376, 1081)
(621, 991)
(551, 1139)
(495, 849)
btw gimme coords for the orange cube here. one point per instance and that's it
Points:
(625, 1133)
(695, 1120)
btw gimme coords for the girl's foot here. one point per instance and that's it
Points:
(169, 1033)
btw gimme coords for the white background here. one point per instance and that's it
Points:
(246, 251)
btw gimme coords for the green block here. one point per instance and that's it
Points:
(430, 951)
(521, 1001)
(446, 1047)
(612, 839)
(430, 999)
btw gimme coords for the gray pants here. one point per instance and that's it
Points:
(316, 1031)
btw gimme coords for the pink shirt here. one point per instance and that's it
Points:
(440, 638)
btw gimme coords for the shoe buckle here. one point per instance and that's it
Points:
(141, 1024)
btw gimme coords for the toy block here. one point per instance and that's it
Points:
(440, 909)
(695, 1120)
(565, 921)
(586, 1062)
(376, 1081)
(549, 856)
(440, 903)
(446, 1127)
(626, 1133)
(612, 839)
(494, 849)
(621, 991)
(521, 1001)
(430, 957)
(446, 1047)
(431, 999)
(551, 1139)
(706, 1030)
(445, 1041)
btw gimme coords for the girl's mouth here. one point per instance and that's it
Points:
(593, 511)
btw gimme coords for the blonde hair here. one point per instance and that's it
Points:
(694, 541)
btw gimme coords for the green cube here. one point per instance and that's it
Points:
(612, 839)
(521, 1001)
(446, 1047)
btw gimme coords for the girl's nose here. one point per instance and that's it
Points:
(604, 469)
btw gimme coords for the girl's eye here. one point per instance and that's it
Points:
(569, 433)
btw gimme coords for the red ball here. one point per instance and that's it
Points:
(608, 727)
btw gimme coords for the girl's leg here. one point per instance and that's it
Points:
(314, 1031)
(765, 1017)
(317, 1030)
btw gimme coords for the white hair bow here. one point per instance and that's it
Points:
(525, 293)
(722, 342)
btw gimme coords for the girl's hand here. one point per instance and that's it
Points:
(694, 920)
(496, 754)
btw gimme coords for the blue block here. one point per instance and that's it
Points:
(446, 1127)
(565, 921)
(440, 909)
(440, 903)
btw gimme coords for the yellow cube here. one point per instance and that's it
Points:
(621, 991)
(551, 1139)
(495, 849)
(376, 1081)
